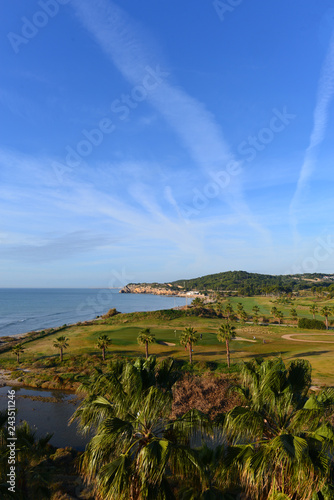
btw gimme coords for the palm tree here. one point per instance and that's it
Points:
(102, 343)
(17, 350)
(226, 333)
(313, 310)
(219, 308)
(293, 313)
(279, 316)
(136, 452)
(240, 311)
(256, 311)
(243, 316)
(61, 343)
(188, 338)
(274, 311)
(197, 302)
(326, 311)
(281, 442)
(228, 310)
(32, 472)
(145, 337)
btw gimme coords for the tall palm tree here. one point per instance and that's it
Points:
(243, 316)
(256, 311)
(137, 452)
(102, 343)
(145, 337)
(294, 313)
(313, 309)
(188, 338)
(240, 309)
(197, 302)
(17, 350)
(274, 311)
(326, 311)
(228, 310)
(279, 316)
(61, 343)
(226, 333)
(219, 307)
(281, 442)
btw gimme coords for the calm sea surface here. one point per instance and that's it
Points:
(26, 309)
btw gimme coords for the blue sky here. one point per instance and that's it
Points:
(152, 141)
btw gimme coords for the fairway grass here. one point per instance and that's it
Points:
(253, 340)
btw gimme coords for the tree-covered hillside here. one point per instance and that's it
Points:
(253, 284)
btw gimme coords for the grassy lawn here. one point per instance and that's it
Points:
(254, 340)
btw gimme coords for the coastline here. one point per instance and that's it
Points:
(36, 310)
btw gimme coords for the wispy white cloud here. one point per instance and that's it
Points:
(130, 50)
(320, 119)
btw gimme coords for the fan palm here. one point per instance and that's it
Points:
(188, 338)
(326, 311)
(228, 310)
(281, 441)
(17, 350)
(279, 316)
(240, 308)
(102, 343)
(197, 302)
(137, 450)
(243, 316)
(61, 343)
(32, 478)
(226, 333)
(145, 337)
(274, 311)
(313, 310)
(256, 311)
(294, 313)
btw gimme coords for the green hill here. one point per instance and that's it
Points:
(254, 284)
(251, 283)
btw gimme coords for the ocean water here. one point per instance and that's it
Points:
(27, 309)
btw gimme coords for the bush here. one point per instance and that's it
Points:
(311, 324)
(112, 312)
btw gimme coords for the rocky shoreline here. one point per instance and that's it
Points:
(154, 290)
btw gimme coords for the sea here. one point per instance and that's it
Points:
(24, 310)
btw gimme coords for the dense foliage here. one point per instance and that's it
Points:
(311, 324)
(249, 284)
(277, 443)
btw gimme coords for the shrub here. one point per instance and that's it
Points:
(311, 324)
(112, 312)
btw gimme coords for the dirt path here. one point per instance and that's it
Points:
(290, 337)
(244, 340)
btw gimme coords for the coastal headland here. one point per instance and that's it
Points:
(156, 289)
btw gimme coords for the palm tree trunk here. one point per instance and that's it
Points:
(103, 353)
(61, 355)
(146, 349)
(228, 353)
(326, 322)
(190, 352)
(18, 358)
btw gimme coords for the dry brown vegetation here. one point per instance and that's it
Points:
(209, 393)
